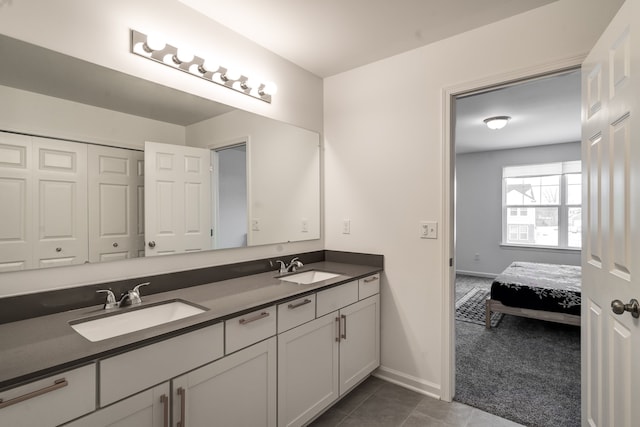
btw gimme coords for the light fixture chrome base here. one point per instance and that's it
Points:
(169, 56)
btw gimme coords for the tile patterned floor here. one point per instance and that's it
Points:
(379, 403)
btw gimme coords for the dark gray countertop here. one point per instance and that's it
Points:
(41, 346)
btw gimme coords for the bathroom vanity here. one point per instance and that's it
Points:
(265, 351)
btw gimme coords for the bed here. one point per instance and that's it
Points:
(549, 292)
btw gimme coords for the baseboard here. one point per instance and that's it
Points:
(408, 381)
(477, 274)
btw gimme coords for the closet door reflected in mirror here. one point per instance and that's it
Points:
(43, 188)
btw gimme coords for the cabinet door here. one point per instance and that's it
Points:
(359, 341)
(147, 409)
(307, 370)
(238, 390)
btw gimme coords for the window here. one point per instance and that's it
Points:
(542, 205)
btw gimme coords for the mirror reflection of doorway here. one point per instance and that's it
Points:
(229, 186)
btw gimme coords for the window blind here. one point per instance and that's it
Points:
(558, 168)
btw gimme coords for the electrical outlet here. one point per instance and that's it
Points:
(255, 224)
(476, 257)
(304, 226)
(346, 226)
(428, 230)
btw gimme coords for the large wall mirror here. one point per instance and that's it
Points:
(96, 165)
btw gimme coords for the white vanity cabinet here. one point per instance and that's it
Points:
(50, 401)
(128, 373)
(238, 390)
(320, 360)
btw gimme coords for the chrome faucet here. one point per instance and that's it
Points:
(293, 265)
(131, 297)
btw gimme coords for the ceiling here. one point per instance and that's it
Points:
(543, 111)
(327, 37)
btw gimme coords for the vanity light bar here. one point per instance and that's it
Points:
(183, 60)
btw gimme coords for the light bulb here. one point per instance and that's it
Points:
(184, 54)
(270, 88)
(154, 43)
(209, 65)
(251, 83)
(231, 74)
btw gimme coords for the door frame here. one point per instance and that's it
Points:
(448, 368)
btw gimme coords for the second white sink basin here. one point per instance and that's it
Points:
(309, 277)
(113, 325)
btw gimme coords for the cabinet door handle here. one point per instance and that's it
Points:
(262, 315)
(370, 279)
(337, 329)
(165, 410)
(183, 401)
(299, 304)
(59, 383)
(344, 326)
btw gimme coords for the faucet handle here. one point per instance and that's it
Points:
(283, 266)
(137, 288)
(111, 298)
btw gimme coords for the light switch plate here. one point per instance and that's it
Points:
(428, 230)
(346, 226)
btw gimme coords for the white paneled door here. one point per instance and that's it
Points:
(60, 202)
(116, 203)
(611, 249)
(16, 232)
(177, 199)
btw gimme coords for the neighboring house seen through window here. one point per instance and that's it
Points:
(542, 205)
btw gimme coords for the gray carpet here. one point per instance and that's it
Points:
(525, 370)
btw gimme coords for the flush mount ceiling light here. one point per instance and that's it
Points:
(183, 59)
(497, 122)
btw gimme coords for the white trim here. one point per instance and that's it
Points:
(408, 381)
(448, 162)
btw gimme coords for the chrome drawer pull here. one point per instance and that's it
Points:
(262, 315)
(165, 409)
(299, 304)
(183, 397)
(370, 279)
(344, 328)
(338, 329)
(60, 383)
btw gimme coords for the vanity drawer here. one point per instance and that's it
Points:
(128, 373)
(242, 331)
(335, 298)
(296, 312)
(369, 286)
(50, 401)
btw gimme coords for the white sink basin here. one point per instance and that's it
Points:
(113, 325)
(309, 277)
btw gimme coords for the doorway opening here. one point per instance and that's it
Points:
(229, 196)
(519, 365)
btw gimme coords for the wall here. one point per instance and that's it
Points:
(384, 171)
(28, 112)
(284, 166)
(99, 32)
(479, 209)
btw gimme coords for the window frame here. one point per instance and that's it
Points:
(562, 207)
